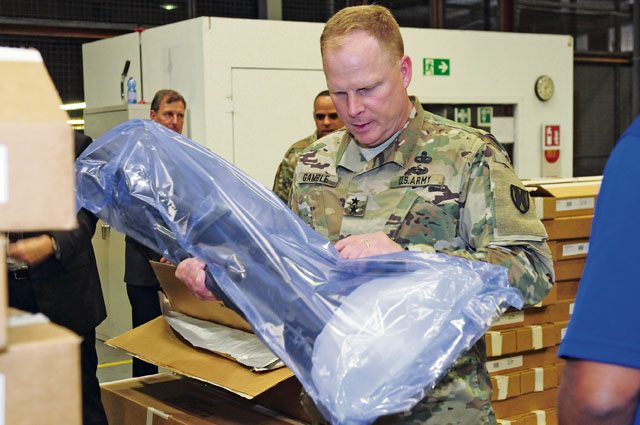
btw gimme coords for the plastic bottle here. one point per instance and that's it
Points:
(132, 96)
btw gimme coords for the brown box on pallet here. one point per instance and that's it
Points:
(36, 148)
(566, 290)
(505, 385)
(525, 403)
(568, 269)
(539, 379)
(523, 361)
(166, 399)
(501, 342)
(537, 417)
(40, 370)
(535, 337)
(568, 227)
(569, 249)
(513, 384)
(555, 312)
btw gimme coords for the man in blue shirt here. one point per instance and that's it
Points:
(601, 381)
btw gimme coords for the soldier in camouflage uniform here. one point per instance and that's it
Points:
(327, 121)
(401, 178)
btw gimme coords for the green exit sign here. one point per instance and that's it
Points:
(436, 66)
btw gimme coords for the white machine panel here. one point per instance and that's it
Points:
(252, 84)
(102, 65)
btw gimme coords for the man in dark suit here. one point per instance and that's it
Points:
(55, 273)
(167, 109)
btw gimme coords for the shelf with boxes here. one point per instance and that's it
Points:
(522, 345)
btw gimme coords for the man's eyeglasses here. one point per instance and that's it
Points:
(332, 116)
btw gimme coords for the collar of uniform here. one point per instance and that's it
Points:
(392, 153)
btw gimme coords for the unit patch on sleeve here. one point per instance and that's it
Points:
(520, 198)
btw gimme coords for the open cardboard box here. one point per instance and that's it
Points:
(553, 200)
(155, 342)
(166, 399)
(36, 148)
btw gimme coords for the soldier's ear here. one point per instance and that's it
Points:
(405, 70)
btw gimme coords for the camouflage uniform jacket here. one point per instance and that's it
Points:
(440, 186)
(284, 175)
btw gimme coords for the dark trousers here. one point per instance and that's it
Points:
(21, 296)
(145, 306)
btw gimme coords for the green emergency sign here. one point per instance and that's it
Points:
(485, 113)
(436, 66)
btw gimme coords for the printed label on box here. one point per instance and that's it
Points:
(575, 249)
(509, 318)
(4, 176)
(503, 364)
(575, 204)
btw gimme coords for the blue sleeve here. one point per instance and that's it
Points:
(604, 325)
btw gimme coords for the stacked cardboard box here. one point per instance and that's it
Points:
(522, 346)
(39, 363)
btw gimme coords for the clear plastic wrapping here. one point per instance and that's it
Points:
(365, 337)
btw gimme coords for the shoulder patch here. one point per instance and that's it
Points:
(520, 198)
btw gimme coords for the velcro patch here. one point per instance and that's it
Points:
(317, 178)
(415, 180)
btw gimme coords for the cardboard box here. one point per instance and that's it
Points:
(568, 269)
(523, 361)
(526, 403)
(185, 302)
(536, 337)
(514, 384)
(36, 148)
(40, 374)
(569, 249)
(505, 386)
(155, 342)
(170, 400)
(568, 227)
(538, 379)
(525, 338)
(536, 417)
(566, 290)
(565, 199)
(556, 312)
(501, 342)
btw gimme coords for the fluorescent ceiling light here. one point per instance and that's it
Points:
(169, 6)
(73, 106)
(75, 122)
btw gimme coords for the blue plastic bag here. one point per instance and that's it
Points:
(365, 337)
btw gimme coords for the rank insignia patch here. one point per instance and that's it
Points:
(355, 206)
(520, 198)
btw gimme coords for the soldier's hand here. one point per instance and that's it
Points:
(367, 245)
(191, 273)
(31, 250)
